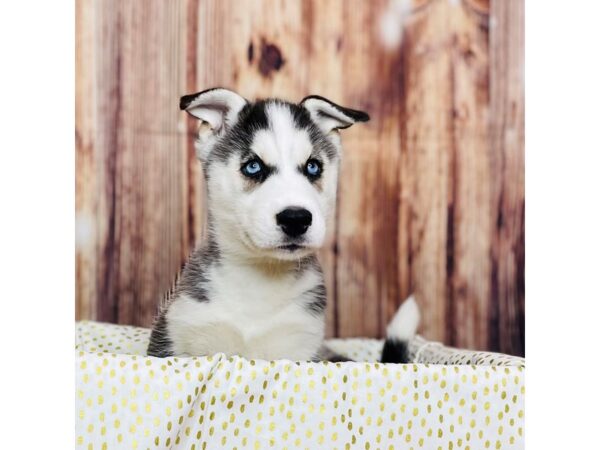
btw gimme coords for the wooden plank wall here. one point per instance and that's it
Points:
(431, 195)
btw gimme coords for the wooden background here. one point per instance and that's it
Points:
(431, 195)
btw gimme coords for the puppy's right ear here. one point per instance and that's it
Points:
(218, 110)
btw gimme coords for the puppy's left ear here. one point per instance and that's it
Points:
(218, 110)
(330, 116)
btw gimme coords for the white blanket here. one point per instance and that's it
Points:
(127, 400)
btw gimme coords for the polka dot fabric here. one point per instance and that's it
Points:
(127, 400)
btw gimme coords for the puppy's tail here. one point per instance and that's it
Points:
(400, 331)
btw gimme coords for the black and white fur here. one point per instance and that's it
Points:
(255, 287)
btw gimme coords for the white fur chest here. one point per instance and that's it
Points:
(251, 312)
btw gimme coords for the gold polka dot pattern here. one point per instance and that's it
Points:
(127, 400)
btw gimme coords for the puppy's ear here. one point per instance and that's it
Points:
(329, 116)
(218, 110)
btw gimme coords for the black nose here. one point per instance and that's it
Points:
(294, 221)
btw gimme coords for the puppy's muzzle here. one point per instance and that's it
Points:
(294, 221)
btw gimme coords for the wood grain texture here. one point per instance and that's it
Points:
(87, 177)
(507, 146)
(136, 196)
(431, 191)
(469, 197)
(368, 195)
(427, 142)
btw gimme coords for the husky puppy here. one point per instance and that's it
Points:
(255, 287)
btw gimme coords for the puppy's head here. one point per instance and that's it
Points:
(271, 169)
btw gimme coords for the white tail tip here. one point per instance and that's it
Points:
(403, 326)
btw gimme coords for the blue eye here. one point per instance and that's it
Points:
(313, 168)
(252, 168)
